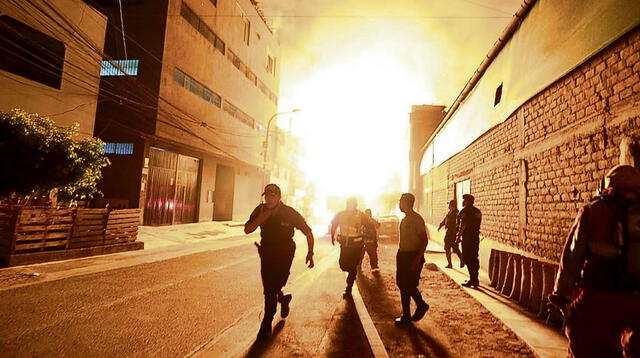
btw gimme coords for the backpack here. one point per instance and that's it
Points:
(628, 241)
(631, 244)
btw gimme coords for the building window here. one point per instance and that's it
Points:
(192, 18)
(118, 148)
(271, 64)
(29, 53)
(220, 45)
(197, 88)
(238, 114)
(463, 187)
(246, 25)
(119, 68)
(498, 95)
(247, 30)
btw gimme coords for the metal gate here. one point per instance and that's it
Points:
(186, 190)
(223, 197)
(172, 190)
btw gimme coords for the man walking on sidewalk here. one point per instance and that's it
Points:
(598, 284)
(351, 238)
(449, 222)
(469, 220)
(410, 259)
(371, 240)
(277, 222)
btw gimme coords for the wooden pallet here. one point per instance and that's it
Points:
(40, 229)
(122, 226)
(89, 228)
(8, 217)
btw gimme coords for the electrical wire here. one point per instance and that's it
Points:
(208, 127)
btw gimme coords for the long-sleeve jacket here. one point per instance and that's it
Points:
(449, 221)
(591, 256)
(468, 223)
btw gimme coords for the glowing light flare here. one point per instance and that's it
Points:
(356, 109)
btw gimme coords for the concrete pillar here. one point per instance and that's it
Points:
(522, 202)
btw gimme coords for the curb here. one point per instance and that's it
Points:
(373, 338)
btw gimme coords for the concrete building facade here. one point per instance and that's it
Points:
(546, 155)
(188, 94)
(48, 60)
(423, 120)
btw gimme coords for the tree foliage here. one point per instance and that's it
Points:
(37, 156)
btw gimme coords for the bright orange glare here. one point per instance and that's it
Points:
(355, 67)
(355, 114)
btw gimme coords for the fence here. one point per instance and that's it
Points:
(35, 234)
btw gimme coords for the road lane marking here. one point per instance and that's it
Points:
(234, 340)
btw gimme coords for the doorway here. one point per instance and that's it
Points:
(223, 195)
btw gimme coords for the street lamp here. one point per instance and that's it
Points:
(266, 141)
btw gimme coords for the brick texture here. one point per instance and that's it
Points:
(568, 135)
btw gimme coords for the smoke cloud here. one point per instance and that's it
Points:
(355, 67)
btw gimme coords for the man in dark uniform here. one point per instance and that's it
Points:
(598, 284)
(371, 226)
(449, 222)
(277, 222)
(410, 259)
(469, 220)
(351, 238)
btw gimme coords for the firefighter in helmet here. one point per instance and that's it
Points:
(598, 284)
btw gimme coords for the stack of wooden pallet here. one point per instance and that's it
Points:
(36, 234)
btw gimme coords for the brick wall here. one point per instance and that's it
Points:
(531, 173)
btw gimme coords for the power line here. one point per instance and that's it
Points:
(124, 41)
(150, 96)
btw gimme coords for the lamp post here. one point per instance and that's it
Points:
(266, 141)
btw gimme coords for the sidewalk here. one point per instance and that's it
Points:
(545, 341)
(160, 243)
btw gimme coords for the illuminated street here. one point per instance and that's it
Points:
(335, 178)
(190, 305)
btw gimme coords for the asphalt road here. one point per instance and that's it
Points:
(203, 304)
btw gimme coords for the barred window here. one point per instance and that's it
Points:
(190, 16)
(118, 148)
(197, 88)
(119, 68)
(220, 45)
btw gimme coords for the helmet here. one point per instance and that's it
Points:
(623, 177)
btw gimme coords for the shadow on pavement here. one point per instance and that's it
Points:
(346, 335)
(261, 346)
(420, 340)
(384, 308)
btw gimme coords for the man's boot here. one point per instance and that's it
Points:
(421, 310)
(284, 304)
(402, 320)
